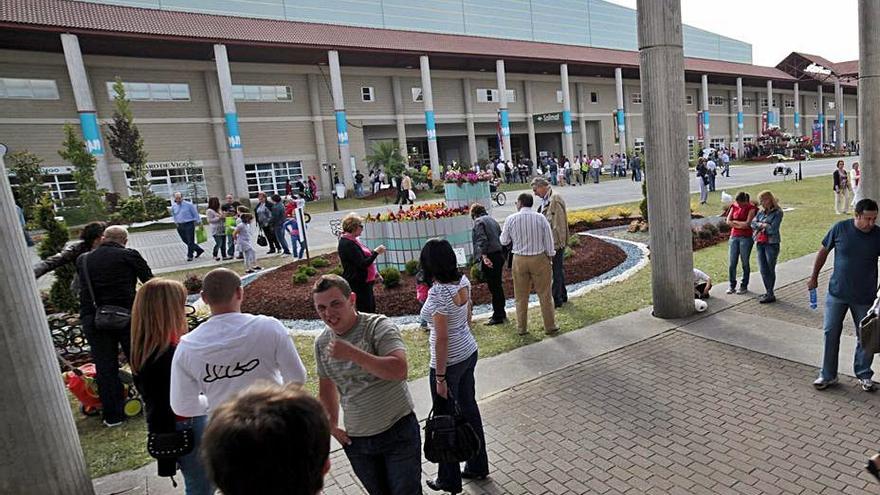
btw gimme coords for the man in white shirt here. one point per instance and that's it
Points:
(596, 168)
(713, 171)
(230, 351)
(725, 161)
(532, 240)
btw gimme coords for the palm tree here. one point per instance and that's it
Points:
(386, 155)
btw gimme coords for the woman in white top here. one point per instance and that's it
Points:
(217, 226)
(453, 355)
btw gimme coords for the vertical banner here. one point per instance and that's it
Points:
(341, 128)
(498, 135)
(700, 133)
(706, 120)
(615, 124)
(566, 122)
(233, 137)
(764, 123)
(430, 125)
(817, 135)
(797, 120)
(621, 119)
(505, 123)
(91, 133)
(739, 120)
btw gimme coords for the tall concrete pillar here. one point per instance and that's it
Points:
(704, 101)
(530, 125)
(797, 110)
(771, 116)
(430, 126)
(469, 120)
(838, 102)
(85, 106)
(502, 108)
(233, 136)
(341, 122)
(41, 451)
(318, 124)
(740, 122)
(621, 113)
(662, 68)
(399, 116)
(582, 119)
(215, 107)
(821, 117)
(869, 95)
(567, 138)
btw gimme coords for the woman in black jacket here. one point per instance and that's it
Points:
(90, 237)
(358, 266)
(158, 320)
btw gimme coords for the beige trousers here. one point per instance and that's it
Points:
(842, 200)
(529, 271)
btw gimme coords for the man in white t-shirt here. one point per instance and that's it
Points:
(230, 351)
(702, 284)
(712, 168)
(596, 168)
(725, 162)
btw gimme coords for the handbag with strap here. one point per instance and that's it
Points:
(868, 331)
(262, 241)
(170, 445)
(449, 437)
(107, 316)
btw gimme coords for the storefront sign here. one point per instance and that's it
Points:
(168, 165)
(547, 117)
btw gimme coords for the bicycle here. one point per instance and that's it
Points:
(497, 196)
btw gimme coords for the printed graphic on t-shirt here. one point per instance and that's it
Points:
(214, 372)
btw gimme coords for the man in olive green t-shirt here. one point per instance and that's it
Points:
(361, 362)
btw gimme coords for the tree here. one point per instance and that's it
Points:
(60, 295)
(74, 151)
(29, 176)
(387, 155)
(126, 142)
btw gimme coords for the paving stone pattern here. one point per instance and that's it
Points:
(675, 414)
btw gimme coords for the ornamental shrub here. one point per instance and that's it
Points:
(337, 270)
(320, 262)
(412, 267)
(574, 241)
(390, 277)
(300, 278)
(61, 295)
(476, 273)
(624, 212)
(307, 270)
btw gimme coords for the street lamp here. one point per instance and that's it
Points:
(330, 169)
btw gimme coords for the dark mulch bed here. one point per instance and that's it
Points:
(700, 243)
(610, 222)
(274, 294)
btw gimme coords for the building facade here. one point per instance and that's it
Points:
(240, 105)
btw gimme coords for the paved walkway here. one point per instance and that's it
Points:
(717, 403)
(165, 252)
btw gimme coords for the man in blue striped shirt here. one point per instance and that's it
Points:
(187, 217)
(533, 251)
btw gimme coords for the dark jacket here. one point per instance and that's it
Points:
(840, 184)
(278, 214)
(486, 236)
(354, 262)
(114, 271)
(67, 255)
(153, 381)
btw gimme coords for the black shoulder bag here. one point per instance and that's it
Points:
(449, 437)
(107, 316)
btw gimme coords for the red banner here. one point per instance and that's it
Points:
(764, 126)
(700, 126)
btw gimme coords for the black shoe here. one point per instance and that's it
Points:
(767, 298)
(474, 476)
(870, 467)
(433, 485)
(199, 254)
(493, 321)
(271, 251)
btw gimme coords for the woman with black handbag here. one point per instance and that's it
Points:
(453, 357)
(158, 320)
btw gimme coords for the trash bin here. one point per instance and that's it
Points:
(340, 191)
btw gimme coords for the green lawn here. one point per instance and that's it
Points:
(121, 448)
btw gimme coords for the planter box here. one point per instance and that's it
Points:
(466, 194)
(404, 240)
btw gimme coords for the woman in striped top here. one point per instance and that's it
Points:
(453, 355)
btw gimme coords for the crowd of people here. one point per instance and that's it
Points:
(561, 171)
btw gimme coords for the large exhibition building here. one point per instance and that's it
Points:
(238, 96)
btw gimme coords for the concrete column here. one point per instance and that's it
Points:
(469, 120)
(502, 108)
(212, 85)
(530, 125)
(318, 124)
(662, 68)
(704, 98)
(582, 120)
(341, 122)
(771, 116)
(399, 117)
(85, 106)
(838, 102)
(797, 110)
(567, 138)
(621, 114)
(233, 137)
(821, 117)
(740, 140)
(41, 451)
(430, 126)
(869, 95)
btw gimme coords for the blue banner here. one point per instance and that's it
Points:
(706, 119)
(505, 123)
(621, 122)
(430, 126)
(341, 128)
(91, 133)
(233, 137)
(840, 120)
(797, 120)
(566, 121)
(822, 118)
(739, 120)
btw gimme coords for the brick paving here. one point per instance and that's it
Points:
(674, 414)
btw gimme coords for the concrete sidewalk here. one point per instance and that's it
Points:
(720, 402)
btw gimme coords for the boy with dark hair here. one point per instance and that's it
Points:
(268, 440)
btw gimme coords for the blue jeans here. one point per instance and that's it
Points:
(389, 463)
(280, 234)
(230, 245)
(297, 246)
(554, 178)
(194, 476)
(187, 233)
(739, 249)
(767, 254)
(835, 312)
(460, 383)
(220, 246)
(358, 190)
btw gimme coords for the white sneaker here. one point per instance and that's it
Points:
(867, 384)
(822, 384)
(112, 425)
(730, 290)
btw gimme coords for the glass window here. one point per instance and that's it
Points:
(416, 94)
(190, 182)
(639, 144)
(689, 99)
(30, 89)
(511, 96)
(716, 101)
(558, 96)
(136, 91)
(636, 98)
(271, 178)
(254, 92)
(487, 95)
(179, 91)
(764, 102)
(18, 88)
(690, 146)
(747, 102)
(367, 94)
(160, 92)
(716, 143)
(789, 103)
(44, 89)
(594, 97)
